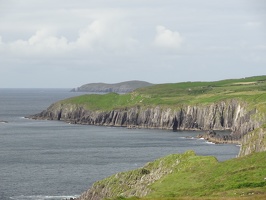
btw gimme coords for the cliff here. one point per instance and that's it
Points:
(225, 115)
(238, 105)
(123, 87)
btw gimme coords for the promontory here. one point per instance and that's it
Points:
(123, 87)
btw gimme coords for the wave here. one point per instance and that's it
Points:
(210, 142)
(42, 197)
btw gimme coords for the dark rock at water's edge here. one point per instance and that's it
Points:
(123, 87)
(218, 138)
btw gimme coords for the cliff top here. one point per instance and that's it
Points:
(251, 90)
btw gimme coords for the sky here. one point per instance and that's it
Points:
(68, 43)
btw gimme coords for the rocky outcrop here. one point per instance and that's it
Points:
(254, 141)
(225, 115)
(135, 182)
(218, 138)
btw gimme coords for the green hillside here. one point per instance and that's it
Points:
(188, 176)
(251, 90)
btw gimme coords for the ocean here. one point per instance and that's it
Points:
(53, 160)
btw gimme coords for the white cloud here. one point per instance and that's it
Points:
(91, 35)
(99, 36)
(43, 43)
(168, 39)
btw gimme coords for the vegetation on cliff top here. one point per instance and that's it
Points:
(251, 90)
(188, 176)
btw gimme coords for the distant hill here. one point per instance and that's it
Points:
(123, 87)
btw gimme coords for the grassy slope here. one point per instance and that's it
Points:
(203, 177)
(251, 90)
(200, 177)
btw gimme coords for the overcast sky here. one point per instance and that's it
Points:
(67, 43)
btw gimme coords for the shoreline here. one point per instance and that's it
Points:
(213, 136)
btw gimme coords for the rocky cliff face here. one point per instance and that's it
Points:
(231, 115)
(254, 141)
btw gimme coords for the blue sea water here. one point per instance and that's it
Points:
(41, 160)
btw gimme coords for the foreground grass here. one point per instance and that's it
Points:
(251, 90)
(203, 177)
